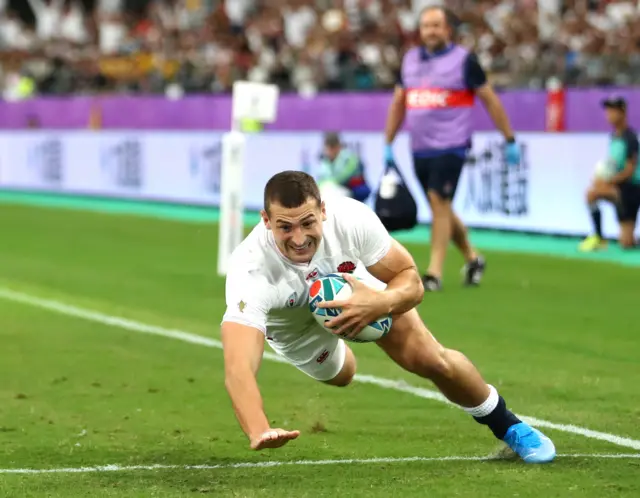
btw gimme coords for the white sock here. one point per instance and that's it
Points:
(487, 407)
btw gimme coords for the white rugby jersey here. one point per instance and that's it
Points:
(267, 291)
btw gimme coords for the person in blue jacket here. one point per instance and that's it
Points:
(342, 167)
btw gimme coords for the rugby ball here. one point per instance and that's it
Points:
(334, 287)
(605, 169)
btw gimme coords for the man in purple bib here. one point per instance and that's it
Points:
(436, 92)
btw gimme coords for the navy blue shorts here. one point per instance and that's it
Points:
(439, 174)
(629, 205)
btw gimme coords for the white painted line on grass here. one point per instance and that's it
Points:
(292, 463)
(181, 335)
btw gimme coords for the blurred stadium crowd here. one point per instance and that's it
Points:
(185, 46)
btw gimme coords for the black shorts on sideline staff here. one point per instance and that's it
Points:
(440, 173)
(627, 208)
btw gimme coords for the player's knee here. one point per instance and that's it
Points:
(438, 203)
(627, 242)
(627, 238)
(347, 373)
(343, 379)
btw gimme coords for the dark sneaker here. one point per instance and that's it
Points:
(431, 283)
(474, 271)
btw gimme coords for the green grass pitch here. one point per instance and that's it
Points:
(559, 338)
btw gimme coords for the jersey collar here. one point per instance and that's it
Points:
(622, 132)
(426, 55)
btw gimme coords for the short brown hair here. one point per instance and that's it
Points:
(290, 189)
(332, 139)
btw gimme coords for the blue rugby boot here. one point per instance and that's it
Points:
(530, 444)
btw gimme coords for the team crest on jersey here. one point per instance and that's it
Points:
(293, 298)
(346, 267)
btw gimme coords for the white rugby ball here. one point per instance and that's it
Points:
(334, 287)
(605, 169)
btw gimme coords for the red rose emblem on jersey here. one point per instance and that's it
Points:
(346, 267)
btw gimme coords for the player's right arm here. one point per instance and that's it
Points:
(243, 348)
(631, 161)
(243, 329)
(396, 114)
(476, 80)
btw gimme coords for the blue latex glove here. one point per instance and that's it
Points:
(388, 153)
(512, 153)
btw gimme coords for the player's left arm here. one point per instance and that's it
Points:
(404, 286)
(631, 161)
(388, 261)
(476, 81)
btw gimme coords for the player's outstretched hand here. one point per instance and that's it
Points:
(361, 308)
(273, 438)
